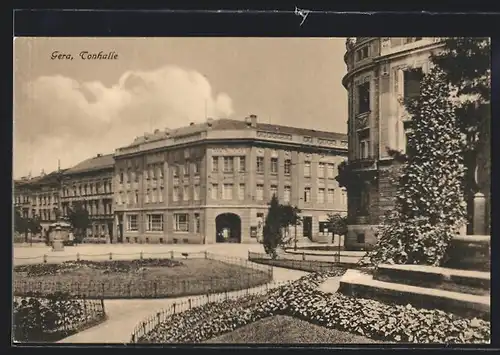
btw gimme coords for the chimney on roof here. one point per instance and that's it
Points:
(253, 120)
(99, 155)
(210, 122)
(191, 123)
(42, 173)
(156, 131)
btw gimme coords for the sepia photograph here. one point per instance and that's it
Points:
(251, 190)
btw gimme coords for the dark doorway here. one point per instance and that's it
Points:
(120, 228)
(110, 231)
(228, 228)
(307, 227)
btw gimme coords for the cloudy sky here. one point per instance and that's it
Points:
(73, 109)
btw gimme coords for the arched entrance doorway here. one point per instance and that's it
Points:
(228, 228)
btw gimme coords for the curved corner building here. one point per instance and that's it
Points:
(377, 78)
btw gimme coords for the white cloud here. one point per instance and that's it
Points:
(59, 117)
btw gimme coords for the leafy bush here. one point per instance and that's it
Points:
(430, 207)
(302, 299)
(53, 317)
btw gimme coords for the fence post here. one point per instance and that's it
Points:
(133, 337)
(110, 256)
(140, 255)
(174, 307)
(158, 317)
(303, 256)
(45, 258)
(189, 300)
(206, 256)
(102, 289)
(77, 256)
(171, 254)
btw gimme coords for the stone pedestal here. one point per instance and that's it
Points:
(479, 219)
(57, 245)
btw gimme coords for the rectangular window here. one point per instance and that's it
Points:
(160, 195)
(242, 166)
(227, 192)
(331, 171)
(175, 169)
(241, 192)
(136, 197)
(197, 223)
(274, 165)
(146, 173)
(274, 190)
(160, 171)
(155, 222)
(132, 224)
(228, 164)
(215, 191)
(215, 164)
(185, 193)
(307, 169)
(175, 193)
(196, 168)
(321, 195)
(288, 166)
(120, 178)
(344, 197)
(307, 194)
(153, 196)
(321, 170)
(181, 222)
(331, 195)
(147, 196)
(185, 169)
(259, 192)
(412, 80)
(364, 149)
(364, 97)
(260, 165)
(287, 193)
(196, 192)
(152, 172)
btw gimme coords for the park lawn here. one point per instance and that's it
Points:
(192, 277)
(190, 270)
(287, 330)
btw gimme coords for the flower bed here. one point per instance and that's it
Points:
(53, 317)
(144, 278)
(111, 266)
(302, 299)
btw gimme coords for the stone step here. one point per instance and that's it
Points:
(465, 281)
(357, 283)
(470, 252)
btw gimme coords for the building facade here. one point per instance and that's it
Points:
(211, 182)
(380, 73)
(90, 183)
(38, 197)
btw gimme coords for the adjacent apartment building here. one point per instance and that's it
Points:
(377, 78)
(38, 197)
(90, 184)
(211, 182)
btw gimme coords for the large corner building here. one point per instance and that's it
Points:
(211, 182)
(378, 77)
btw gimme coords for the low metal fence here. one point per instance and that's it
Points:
(295, 264)
(162, 316)
(254, 274)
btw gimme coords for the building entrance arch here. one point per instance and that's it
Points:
(228, 228)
